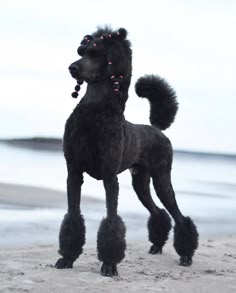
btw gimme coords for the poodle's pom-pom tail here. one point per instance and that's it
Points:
(162, 99)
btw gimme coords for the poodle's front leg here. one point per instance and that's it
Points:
(111, 243)
(72, 232)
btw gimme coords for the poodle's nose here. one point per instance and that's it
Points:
(73, 69)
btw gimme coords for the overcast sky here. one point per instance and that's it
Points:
(190, 43)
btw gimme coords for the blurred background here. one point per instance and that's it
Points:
(189, 43)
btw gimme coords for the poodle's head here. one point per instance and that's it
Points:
(105, 55)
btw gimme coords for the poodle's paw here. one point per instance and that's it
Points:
(185, 261)
(64, 263)
(155, 249)
(109, 270)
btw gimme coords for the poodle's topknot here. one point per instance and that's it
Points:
(105, 37)
(81, 50)
(122, 33)
(108, 34)
(102, 34)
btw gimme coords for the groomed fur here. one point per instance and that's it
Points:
(158, 230)
(72, 236)
(186, 238)
(99, 141)
(111, 243)
(162, 99)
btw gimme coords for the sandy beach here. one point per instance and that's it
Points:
(31, 270)
(29, 267)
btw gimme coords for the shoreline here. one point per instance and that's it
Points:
(55, 144)
(28, 196)
(34, 214)
(31, 196)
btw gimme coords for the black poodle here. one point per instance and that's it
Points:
(99, 141)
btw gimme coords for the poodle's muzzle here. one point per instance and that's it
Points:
(81, 68)
(84, 69)
(74, 70)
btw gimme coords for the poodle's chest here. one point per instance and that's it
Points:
(94, 142)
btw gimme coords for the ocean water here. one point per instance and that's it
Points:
(204, 184)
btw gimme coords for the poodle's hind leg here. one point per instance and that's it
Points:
(159, 222)
(185, 231)
(72, 232)
(111, 243)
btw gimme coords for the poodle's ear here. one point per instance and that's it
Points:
(122, 33)
(119, 63)
(119, 54)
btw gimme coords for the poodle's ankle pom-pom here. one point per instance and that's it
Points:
(122, 33)
(81, 50)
